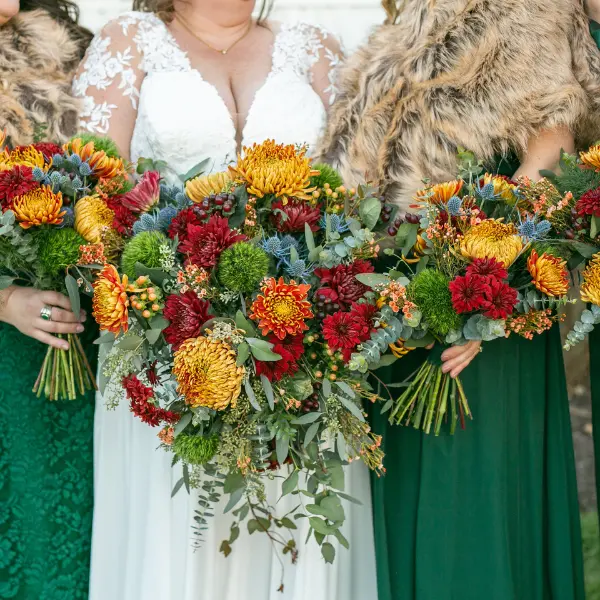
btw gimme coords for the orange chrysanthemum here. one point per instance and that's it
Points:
(441, 192)
(492, 239)
(103, 166)
(590, 288)
(282, 308)
(271, 168)
(549, 274)
(38, 207)
(591, 158)
(24, 156)
(207, 373)
(92, 217)
(110, 305)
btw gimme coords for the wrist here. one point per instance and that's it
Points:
(5, 295)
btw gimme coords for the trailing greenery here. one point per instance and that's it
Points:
(242, 267)
(575, 179)
(144, 248)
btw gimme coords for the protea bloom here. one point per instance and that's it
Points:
(207, 374)
(590, 288)
(271, 168)
(492, 239)
(549, 274)
(38, 207)
(92, 216)
(102, 166)
(110, 305)
(144, 195)
(203, 186)
(591, 158)
(282, 308)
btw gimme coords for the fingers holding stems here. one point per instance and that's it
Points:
(457, 358)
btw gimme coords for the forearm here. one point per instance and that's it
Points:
(543, 152)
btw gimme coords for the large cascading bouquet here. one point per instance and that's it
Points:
(230, 324)
(483, 258)
(57, 228)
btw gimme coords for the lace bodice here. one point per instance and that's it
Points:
(135, 64)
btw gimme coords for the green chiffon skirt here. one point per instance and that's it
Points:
(46, 481)
(490, 513)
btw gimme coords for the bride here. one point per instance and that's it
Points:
(180, 82)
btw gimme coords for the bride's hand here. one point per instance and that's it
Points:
(22, 308)
(455, 359)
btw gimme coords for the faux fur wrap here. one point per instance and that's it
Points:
(37, 60)
(486, 75)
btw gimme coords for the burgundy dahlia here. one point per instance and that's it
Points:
(500, 299)
(342, 332)
(340, 285)
(186, 315)
(293, 216)
(204, 243)
(15, 182)
(487, 267)
(124, 218)
(48, 149)
(469, 292)
(589, 203)
(179, 225)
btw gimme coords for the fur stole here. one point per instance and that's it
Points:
(37, 60)
(479, 74)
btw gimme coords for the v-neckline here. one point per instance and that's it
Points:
(232, 120)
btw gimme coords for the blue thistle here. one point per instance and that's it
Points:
(531, 230)
(77, 183)
(38, 174)
(57, 160)
(68, 218)
(289, 241)
(146, 222)
(165, 216)
(271, 245)
(299, 269)
(454, 205)
(336, 222)
(85, 170)
(75, 159)
(487, 191)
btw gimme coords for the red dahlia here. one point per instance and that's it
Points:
(468, 292)
(186, 314)
(362, 315)
(292, 344)
(139, 396)
(500, 299)
(204, 243)
(292, 217)
(290, 349)
(342, 332)
(340, 285)
(15, 182)
(124, 218)
(589, 203)
(179, 225)
(48, 149)
(487, 267)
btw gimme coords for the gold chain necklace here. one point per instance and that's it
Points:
(225, 50)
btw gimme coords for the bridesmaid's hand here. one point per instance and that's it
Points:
(22, 308)
(455, 359)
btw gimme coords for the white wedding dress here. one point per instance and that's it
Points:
(142, 546)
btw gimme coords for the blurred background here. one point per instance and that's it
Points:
(352, 20)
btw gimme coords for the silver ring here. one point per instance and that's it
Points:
(46, 313)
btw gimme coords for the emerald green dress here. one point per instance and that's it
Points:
(46, 480)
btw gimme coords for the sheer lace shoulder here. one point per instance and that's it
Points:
(112, 71)
(312, 53)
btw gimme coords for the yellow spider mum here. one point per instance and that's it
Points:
(207, 373)
(38, 207)
(502, 187)
(103, 166)
(590, 288)
(492, 239)
(549, 274)
(24, 156)
(111, 301)
(591, 158)
(271, 168)
(441, 192)
(92, 216)
(200, 187)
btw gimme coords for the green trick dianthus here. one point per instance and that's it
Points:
(143, 248)
(58, 249)
(100, 143)
(242, 267)
(327, 175)
(195, 449)
(429, 291)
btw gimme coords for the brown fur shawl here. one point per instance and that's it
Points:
(485, 75)
(37, 60)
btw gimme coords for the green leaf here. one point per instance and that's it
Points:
(186, 477)
(73, 291)
(290, 484)
(311, 432)
(310, 417)
(326, 388)
(251, 395)
(185, 420)
(341, 539)
(6, 281)
(293, 254)
(319, 537)
(330, 508)
(233, 481)
(225, 548)
(153, 335)
(157, 276)
(406, 237)
(253, 525)
(288, 523)
(282, 448)
(268, 389)
(369, 211)
(196, 170)
(262, 350)
(320, 526)
(346, 388)
(328, 552)
(352, 407)
(586, 250)
(349, 498)
(594, 226)
(244, 324)
(159, 322)
(372, 280)
(108, 337)
(239, 215)
(235, 534)
(177, 487)
(310, 239)
(421, 343)
(336, 473)
(385, 361)
(130, 342)
(243, 354)
(235, 497)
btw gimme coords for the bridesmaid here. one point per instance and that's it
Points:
(491, 512)
(45, 448)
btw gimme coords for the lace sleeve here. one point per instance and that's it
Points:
(325, 69)
(109, 80)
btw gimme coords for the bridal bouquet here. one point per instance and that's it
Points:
(57, 228)
(482, 259)
(231, 321)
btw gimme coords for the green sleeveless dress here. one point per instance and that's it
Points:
(46, 480)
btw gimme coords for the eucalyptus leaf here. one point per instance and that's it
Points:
(244, 324)
(352, 407)
(346, 388)
(310, 239)
(373, 280)
(349, 498)
(268, 389)
(306, 419)
(153, 335)
(159, 322)
(73, 291)
(311, 432)
(594, 226)
(291, 483)
(177, 487)
(282, 448)
(385, 361)
(157, 276)
(107, 337)
(130, 342)
(235, 497)
(6, 281)
(243, 354)
(196, 170)
(326, 388)
(185, 420)
(369, 211)
(251, 395)
(262, 350)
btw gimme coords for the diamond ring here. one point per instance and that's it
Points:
(46, 313)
